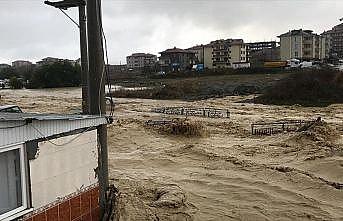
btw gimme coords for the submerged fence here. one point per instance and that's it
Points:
(277, 127)
(189, 111)
(158, 122)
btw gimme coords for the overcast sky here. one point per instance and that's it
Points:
(31, 30)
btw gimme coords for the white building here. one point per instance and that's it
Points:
(303, 45)
(48, 167)
(141, 60)
(227, 52)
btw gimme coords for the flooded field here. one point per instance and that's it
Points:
(227, 174)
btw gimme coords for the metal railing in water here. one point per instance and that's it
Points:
(189, 111)
(153, 123)
(278, 127)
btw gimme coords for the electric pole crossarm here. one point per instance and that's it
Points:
(66, 4)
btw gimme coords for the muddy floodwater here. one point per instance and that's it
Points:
(227, 174)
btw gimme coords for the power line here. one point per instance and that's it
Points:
(106, 63)
(60, 145)
(12, 127)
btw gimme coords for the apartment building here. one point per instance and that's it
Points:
(302, 44)
(51, 60)
(22, 66)
(21, 63)
(335, 40)
(141, 60)
(228, 52)
(259, 52)
(176, 59)
(203, 54)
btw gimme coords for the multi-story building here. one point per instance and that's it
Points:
(203, 54)
(303, 45)
(51, 60)
(21, 63)
(328, 50)
(335, 36)
(141, 60)
(262, 45)
(22, 66)
(259, 52)
(176, 59)
(229, 53)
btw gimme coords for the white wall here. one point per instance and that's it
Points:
(60, 171)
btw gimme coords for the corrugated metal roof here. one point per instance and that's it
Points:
(35, 116)
(22, 127)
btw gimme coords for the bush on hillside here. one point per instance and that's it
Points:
(310, 88)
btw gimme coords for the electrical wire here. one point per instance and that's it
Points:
(60, 145)
(70, 18)
(106, 63)
(12, 127)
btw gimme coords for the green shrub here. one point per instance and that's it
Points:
(310, 88)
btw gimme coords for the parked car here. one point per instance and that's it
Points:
(10, 109)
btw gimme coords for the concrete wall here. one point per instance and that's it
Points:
(58, 171)
(285, 48)
(235, 53)
(208, 57)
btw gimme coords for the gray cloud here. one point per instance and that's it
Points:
(31, 30)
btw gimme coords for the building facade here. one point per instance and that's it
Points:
(229, 51)
(259, 52)
(335, 36)
(260, 46)
(141, 60)
(51, 60)
(176, 59)
(22, 66)
(303, 45)
(203, 54)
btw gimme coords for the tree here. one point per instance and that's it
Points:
(60, 74)
(7, 73)
(16, 83)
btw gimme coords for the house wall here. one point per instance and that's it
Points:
(63, 181)
(59, 171)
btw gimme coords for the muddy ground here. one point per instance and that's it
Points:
(227, 174)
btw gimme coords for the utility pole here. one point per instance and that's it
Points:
(65, 5)
(96, 91)
(84, 58)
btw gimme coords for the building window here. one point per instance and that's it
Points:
(13, 185)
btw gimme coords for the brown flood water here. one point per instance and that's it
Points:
(227, 174)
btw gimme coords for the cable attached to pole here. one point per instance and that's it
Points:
(77, 24)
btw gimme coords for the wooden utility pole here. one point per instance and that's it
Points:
(65, 5)
(96, 91)
(84, 58)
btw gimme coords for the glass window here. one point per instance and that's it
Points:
(10, 182)
(12, 186)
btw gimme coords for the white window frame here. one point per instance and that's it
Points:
(24, 186)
